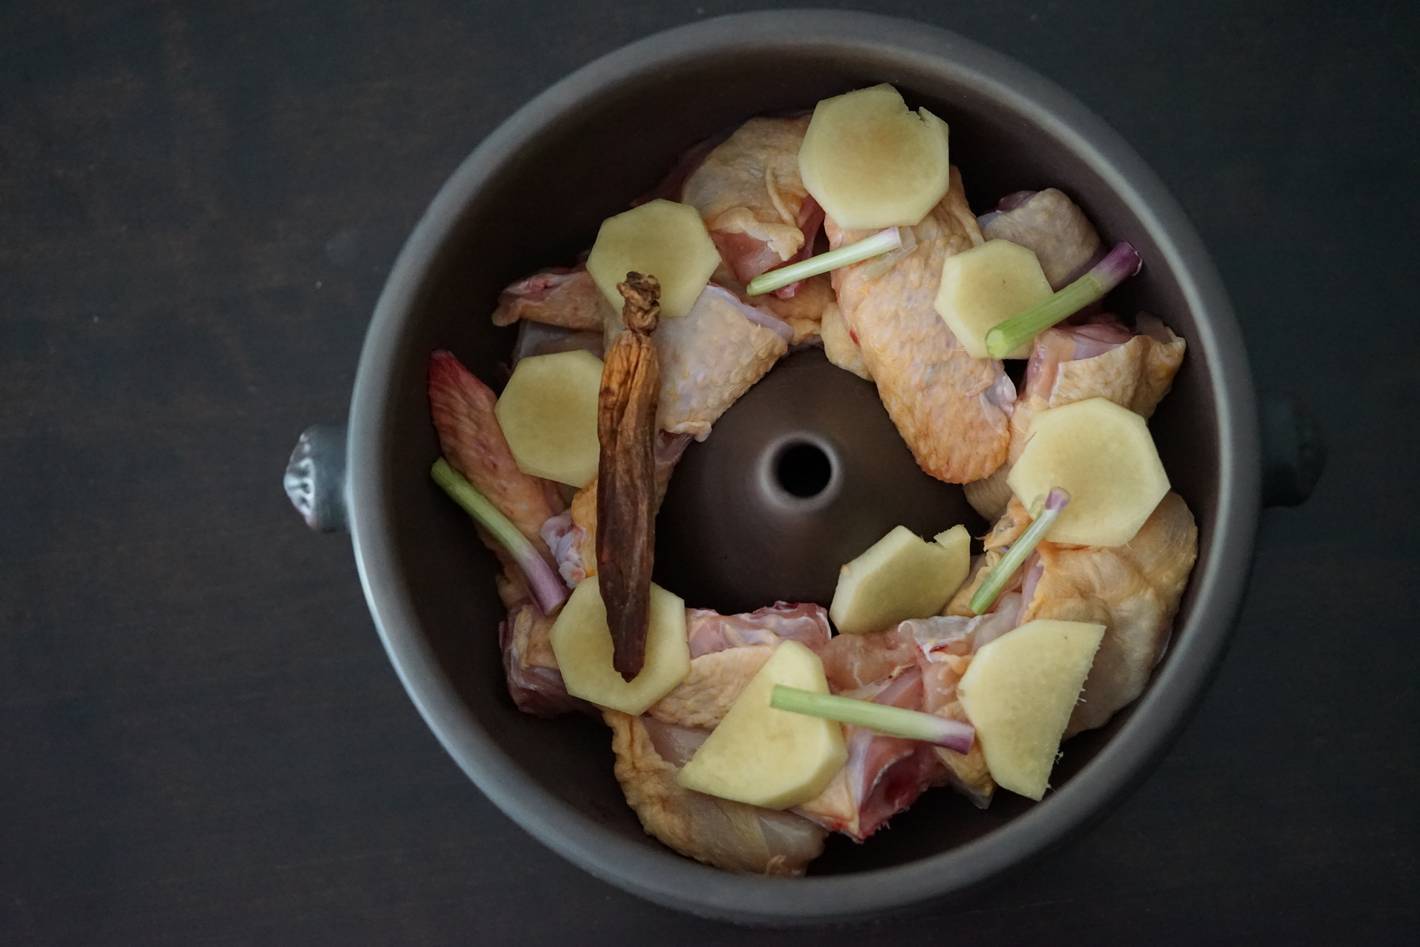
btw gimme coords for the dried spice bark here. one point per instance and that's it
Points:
(626, 473)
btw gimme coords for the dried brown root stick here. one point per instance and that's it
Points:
(626, 473)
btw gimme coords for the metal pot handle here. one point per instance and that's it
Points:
(1293, 454)
(315, 478)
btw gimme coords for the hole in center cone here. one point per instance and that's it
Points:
(803, 469)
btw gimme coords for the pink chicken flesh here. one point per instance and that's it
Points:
(761, 217)
(945, 645)
(710, 631)
(884, 775)
(915, 665)
(951, 409)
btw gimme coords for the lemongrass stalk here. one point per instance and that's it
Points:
(1118, 264)
(990, 590)
(547, 588)
(879, 243)
(893, 721)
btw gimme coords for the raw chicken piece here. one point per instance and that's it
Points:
(1007, 529)
(938, 650)
(805, 310)
(839, 345)
(951, 409)
(560, 297)
(529, 665)
(907, 667)
(714, 683)
(753, 202)
(760, 215)
(1100, 359)
(709, 631)
(710, 356)
(944, 649)
(884, 775)
(718, 832)
(727, 650)
(853, 662)
(568, 544)
(1096, 361)
(462, 408)
(534, 682)
(473, 443)
(1050, 224)
(1133, 590)
(572, 536)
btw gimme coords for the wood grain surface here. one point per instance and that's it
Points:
(201, 741)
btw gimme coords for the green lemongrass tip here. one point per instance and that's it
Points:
(1118, 264)
(546, 587)
(990, 590)
(879, 243)
(893, 721)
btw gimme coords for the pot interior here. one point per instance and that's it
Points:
(541, 207)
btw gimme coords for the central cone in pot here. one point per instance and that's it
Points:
(802, 474)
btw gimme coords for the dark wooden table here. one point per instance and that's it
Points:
(200, 738)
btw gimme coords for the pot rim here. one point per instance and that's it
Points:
(658, 873)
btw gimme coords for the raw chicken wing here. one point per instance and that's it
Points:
(473, 443)
(951, 409)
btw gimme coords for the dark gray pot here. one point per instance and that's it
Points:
(533, 194)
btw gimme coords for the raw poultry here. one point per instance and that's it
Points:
(961, 417)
